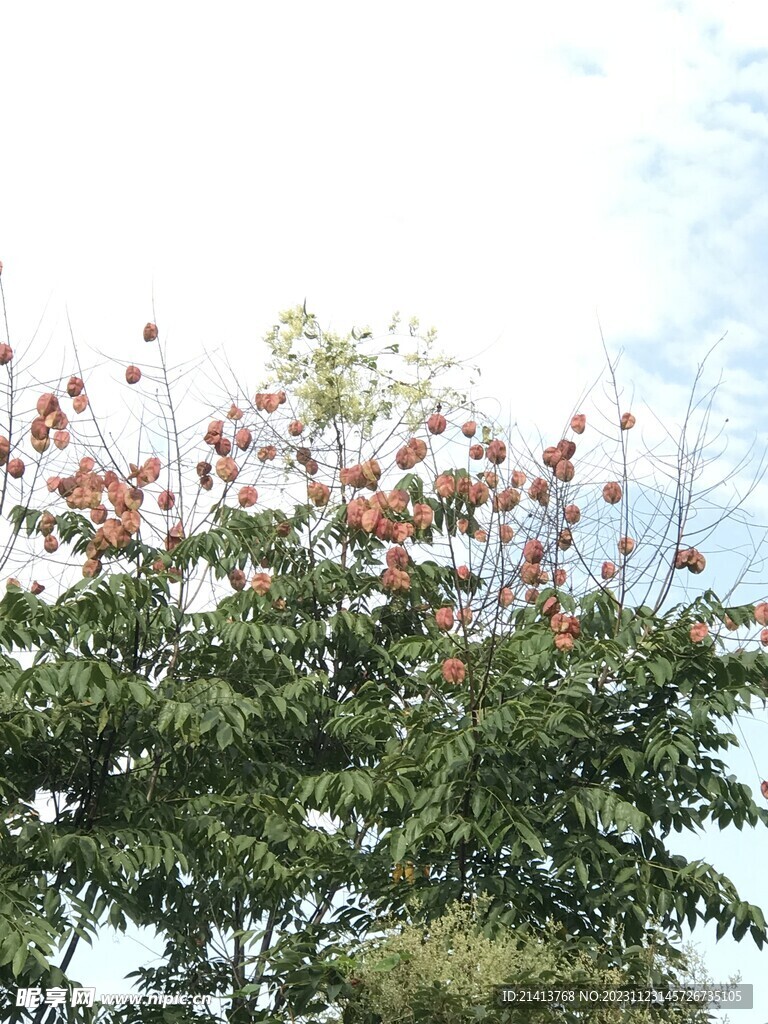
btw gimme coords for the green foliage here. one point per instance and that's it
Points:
(199, 799)
(337, 382)
(451, 972)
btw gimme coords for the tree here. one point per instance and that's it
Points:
(240, 766)
(450, 973)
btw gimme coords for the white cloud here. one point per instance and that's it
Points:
(453, 166)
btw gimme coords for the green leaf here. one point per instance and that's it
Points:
(224, 735)
(19, 960)
(580, 812)
(397, 847)
(581, 871)
(661, 670)
(103, 719)
(280, 703)
(387, 963)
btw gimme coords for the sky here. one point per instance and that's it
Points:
(523, 177)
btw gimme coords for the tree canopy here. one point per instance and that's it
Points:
(264, 721)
